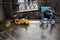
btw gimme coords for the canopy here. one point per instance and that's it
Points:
(44, 8)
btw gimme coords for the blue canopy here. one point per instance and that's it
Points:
(44, 8)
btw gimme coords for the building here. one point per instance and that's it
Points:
(29, 7)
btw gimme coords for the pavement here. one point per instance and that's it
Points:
(33, 31)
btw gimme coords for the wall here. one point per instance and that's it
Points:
(1, 13)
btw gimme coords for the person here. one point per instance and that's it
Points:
(45, 17)
(48, 14)
(53, 20)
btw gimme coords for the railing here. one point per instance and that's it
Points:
(27, 6)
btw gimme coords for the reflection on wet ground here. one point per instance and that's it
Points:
(30, 32)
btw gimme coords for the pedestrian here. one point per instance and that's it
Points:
(49, 14)
(53, 19)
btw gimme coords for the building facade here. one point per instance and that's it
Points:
(29, 7)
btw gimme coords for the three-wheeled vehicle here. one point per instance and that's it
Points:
(45, 22)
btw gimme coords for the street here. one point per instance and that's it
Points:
(33, 31)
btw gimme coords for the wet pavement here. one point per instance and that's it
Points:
(33, 31)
